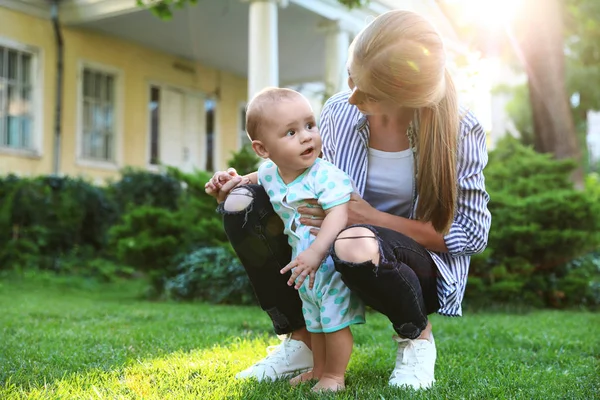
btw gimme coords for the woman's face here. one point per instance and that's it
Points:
(367, 103)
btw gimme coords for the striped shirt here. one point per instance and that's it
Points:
(345, 135)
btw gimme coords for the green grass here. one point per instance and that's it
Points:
(71, 339)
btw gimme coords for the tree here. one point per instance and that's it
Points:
(582, 37)
(537, 42)
(540, 32)
(164, 8)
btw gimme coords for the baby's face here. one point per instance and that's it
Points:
(291, 135)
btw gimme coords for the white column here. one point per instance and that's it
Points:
(337, 41)
(263, 57)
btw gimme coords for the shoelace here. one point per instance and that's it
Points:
(276, 353)
(404, 356)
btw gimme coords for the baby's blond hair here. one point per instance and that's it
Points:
(259, 105)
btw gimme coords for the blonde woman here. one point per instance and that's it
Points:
(419, 213)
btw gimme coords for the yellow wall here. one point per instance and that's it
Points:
(138, 66)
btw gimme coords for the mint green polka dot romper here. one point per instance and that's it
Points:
(329, 306)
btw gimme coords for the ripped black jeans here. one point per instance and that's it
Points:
(403, 286)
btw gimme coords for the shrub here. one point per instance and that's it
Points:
(539, 223)
(46, 217)
(244, 161)
(138, 187)
(580, 283)
(211, 274)
(150, 239)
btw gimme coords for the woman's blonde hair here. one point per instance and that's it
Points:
(399, 57)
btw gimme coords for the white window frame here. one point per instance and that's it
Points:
(37, 109)
(118, 104)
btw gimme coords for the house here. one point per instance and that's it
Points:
(90, 86)
(593, 139)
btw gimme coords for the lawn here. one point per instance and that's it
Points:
(72, 339)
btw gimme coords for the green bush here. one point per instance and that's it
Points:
(211, 274)
(580, 283)
(45, 217)
(138, 187)
(539, 224)
(244, 161)
(147, 239)
(151, 239)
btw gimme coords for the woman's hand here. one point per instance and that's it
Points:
(312, 215)
(359, 212)
(222, 183)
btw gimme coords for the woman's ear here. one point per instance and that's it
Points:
(260, 149)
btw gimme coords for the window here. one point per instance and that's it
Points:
(98, 121)
(154, 124)
(209, 106)
(243, 137)
(16, 106)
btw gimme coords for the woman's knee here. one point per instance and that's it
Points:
(238, 200)
(357, 245)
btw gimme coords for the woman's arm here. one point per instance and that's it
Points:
(469, 231)
(361, 212)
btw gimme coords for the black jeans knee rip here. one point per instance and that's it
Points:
(402, 286)
(256, 235)
(364, 264)
(248, 192)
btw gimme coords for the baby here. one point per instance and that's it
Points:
(282, 127)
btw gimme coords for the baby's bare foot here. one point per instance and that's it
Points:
(306, 376)
(329, 384)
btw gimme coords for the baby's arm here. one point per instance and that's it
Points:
(251, 178)
(310, 259)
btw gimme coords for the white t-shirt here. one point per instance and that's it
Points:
(389, 186)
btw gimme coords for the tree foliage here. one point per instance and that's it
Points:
(582, 39)
(164, 8)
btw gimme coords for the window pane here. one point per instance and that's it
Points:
(2, 59)
(109, 89)
(3, 124)
(12, 100)
(98, 115)
(107, 147)
(3, 95)
(98, 85)
(108, 116)
(243, 119)
(13, 137)
(87, 116)
(98, 119)
(25, 69)
(86, 143)
(96, 145)
(12, 64)
(26, 131)
(26, 100)
(87, 83)
(210, 133)
(154, 124)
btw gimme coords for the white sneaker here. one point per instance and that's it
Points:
(286, 360)
(415, 363)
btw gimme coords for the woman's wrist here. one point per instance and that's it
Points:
(376, 218)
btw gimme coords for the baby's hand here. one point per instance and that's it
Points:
(306, 264)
